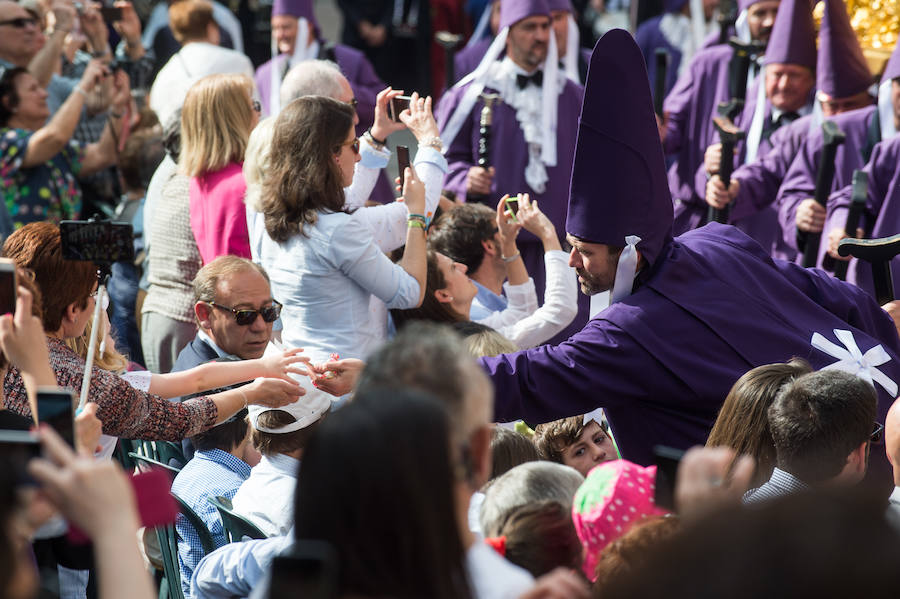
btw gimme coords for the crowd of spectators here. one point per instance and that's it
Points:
(299, 357)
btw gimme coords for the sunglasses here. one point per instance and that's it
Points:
(247, 317)
(257, 107)
(354, 145)
(877, 434)
(20, 22)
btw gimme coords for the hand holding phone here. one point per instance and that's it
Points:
(56, 408)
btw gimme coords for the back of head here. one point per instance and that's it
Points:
(460, 232)
(303, 177)
(802, 546)
(226, 436)
(431, 310)
(256, 161)
(221, 269)
(432, 359)
(818, 420)
(630, 551)
(363, 488)
(482, 340)
(526, 484)
(540, 537)
(743, 420)
(215, 123)
(38, 248)
(142, 154)
(190, 20)
(312, 78)
(509, 449)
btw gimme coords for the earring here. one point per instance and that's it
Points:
(450, 298)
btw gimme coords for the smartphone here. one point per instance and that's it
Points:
(8, 285)
(402, 163)
(97, 241)
(56, 407)
(398, 105)
(308, 570)
(512, 206)
(17, 447)
(111, 14)
(667, 462)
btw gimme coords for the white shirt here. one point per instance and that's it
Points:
(493, 577)
(195, 61)
(267, 497)
(526, 325)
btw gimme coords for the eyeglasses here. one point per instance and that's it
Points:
(257, 107)
(353, 143)
(247, 317)
(877, 434)
(20, 22)
(353, 103)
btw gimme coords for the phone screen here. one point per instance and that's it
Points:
(55, 407)
(398, 105)
(97, 241)
(7, 286)
(667, 462)
(402, 163)
(111, 13)
(308, 571)
(512, 206)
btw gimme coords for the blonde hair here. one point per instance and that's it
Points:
(110, 359)
(489, 343)
(256, 161)
(215, 123)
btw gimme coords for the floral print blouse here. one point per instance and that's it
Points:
(47, 191)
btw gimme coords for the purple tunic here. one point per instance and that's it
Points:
(649, 37)
(882, 215)
(800, 181)
(662, 361)
(509, 156)
(690, 106)
(365, 84)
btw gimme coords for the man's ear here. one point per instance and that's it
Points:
(490, 248)
(202, 310)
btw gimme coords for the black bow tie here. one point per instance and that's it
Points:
(785, 118)
(536, 78)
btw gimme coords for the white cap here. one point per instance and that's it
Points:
(306, 410)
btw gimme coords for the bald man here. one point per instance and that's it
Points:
(892, 447)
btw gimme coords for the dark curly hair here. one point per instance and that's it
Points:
(9, 98)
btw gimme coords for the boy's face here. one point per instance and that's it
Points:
(593, 447)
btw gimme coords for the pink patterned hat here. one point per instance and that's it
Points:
(613, 497)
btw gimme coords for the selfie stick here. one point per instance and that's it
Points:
(95, 331)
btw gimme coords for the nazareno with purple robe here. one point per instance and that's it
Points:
(510, 154)
(707, 306)
(353, 64)
(841, 72)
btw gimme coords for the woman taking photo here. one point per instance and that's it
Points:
(218, 115)
(324, 264)
(39, 162)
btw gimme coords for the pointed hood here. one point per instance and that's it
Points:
(793, 39)
(619, 185)
(842, 70)
(301, 9)
(513, 11)
(745, 4)
(892, 69)
(560, 5)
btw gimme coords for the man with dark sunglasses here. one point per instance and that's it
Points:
(235, 312)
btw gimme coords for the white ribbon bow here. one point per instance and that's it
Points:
(853, 361)
(625, 270)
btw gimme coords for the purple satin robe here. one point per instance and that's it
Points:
(509, 156)
(882, 215)
(365, 84)
(800, 181)
(662, 361)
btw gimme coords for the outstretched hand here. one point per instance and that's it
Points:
(284, 364)
(337, 377)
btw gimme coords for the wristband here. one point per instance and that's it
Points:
(421, 217)
(415, 224)
(433, 142)
(244, 395)
(512, 258)
(378, 145)
(81, 91)
(375, 139)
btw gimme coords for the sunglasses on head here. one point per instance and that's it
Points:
(245, 317)
(877, 433)
(20, 22)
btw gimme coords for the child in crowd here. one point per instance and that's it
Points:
(581, 442)
(267, 497)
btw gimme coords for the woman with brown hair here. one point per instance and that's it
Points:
(743, 422)
(324, 264)
(218, 115)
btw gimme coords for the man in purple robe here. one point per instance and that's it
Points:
(679, 32)
(689, 315)
(687, 130)
(779, 97)
(466, 60)
(533, 129)
(296, 37)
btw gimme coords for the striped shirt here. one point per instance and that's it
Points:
(780, 484)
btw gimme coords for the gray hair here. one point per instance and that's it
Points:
(525, 484)
(311, 78)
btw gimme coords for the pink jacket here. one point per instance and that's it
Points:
(218, 216)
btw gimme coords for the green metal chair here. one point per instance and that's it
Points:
(237, 528)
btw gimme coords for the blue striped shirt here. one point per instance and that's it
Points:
(210, 473)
